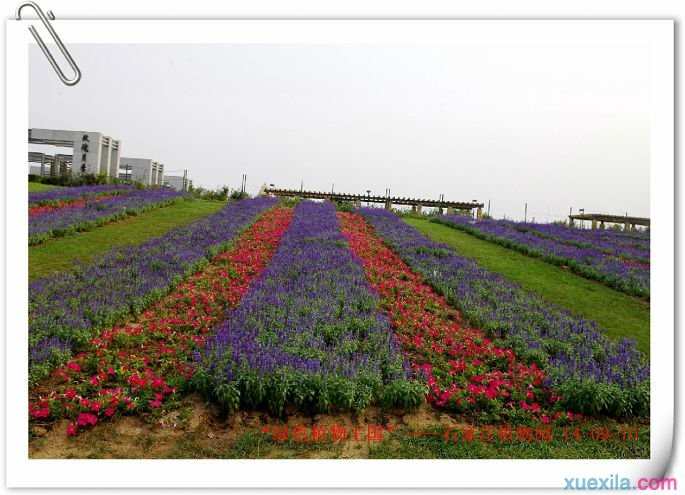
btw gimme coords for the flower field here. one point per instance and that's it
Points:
(135, 367)
(35, 211)
(625, 245)
(309, 332)
(590, 373)
(66, 215)
(68, 194)
(618, 260)
(267, 307)
(66, 309)
(464, 370)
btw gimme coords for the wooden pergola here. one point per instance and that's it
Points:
(601, 218)
(388, 201)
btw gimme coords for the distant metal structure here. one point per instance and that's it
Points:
(387, 200)
(599, 219)
(125, 172)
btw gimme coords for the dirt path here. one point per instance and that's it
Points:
(193, 430)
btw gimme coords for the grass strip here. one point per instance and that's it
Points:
(619, 315)
(65, 253)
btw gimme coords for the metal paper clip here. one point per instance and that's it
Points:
(44, 19)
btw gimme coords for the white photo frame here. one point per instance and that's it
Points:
(25, 472)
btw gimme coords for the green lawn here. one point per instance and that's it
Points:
(62, 253)
(618, 314)
(39, 187)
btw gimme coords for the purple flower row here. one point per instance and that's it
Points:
(71, 193)
(63, 221)
(627, 275)
(608, 241)
(592, 373)
(65, 308)
(310, 314)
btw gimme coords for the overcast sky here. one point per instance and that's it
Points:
(554, 126)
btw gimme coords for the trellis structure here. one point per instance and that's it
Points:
(416, 203)
(599, 219)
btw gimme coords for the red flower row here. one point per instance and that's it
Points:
(35, 211)
(135, 367)
(464, 370)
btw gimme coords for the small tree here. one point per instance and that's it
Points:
(237, 194)
(220, 194)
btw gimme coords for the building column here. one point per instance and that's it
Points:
(114, 156)
(105, 155)
(54, 168)
(388, 205)
(86, 153)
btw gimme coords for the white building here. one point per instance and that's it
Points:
(178, 182)
(92, 152)
(144, 170)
